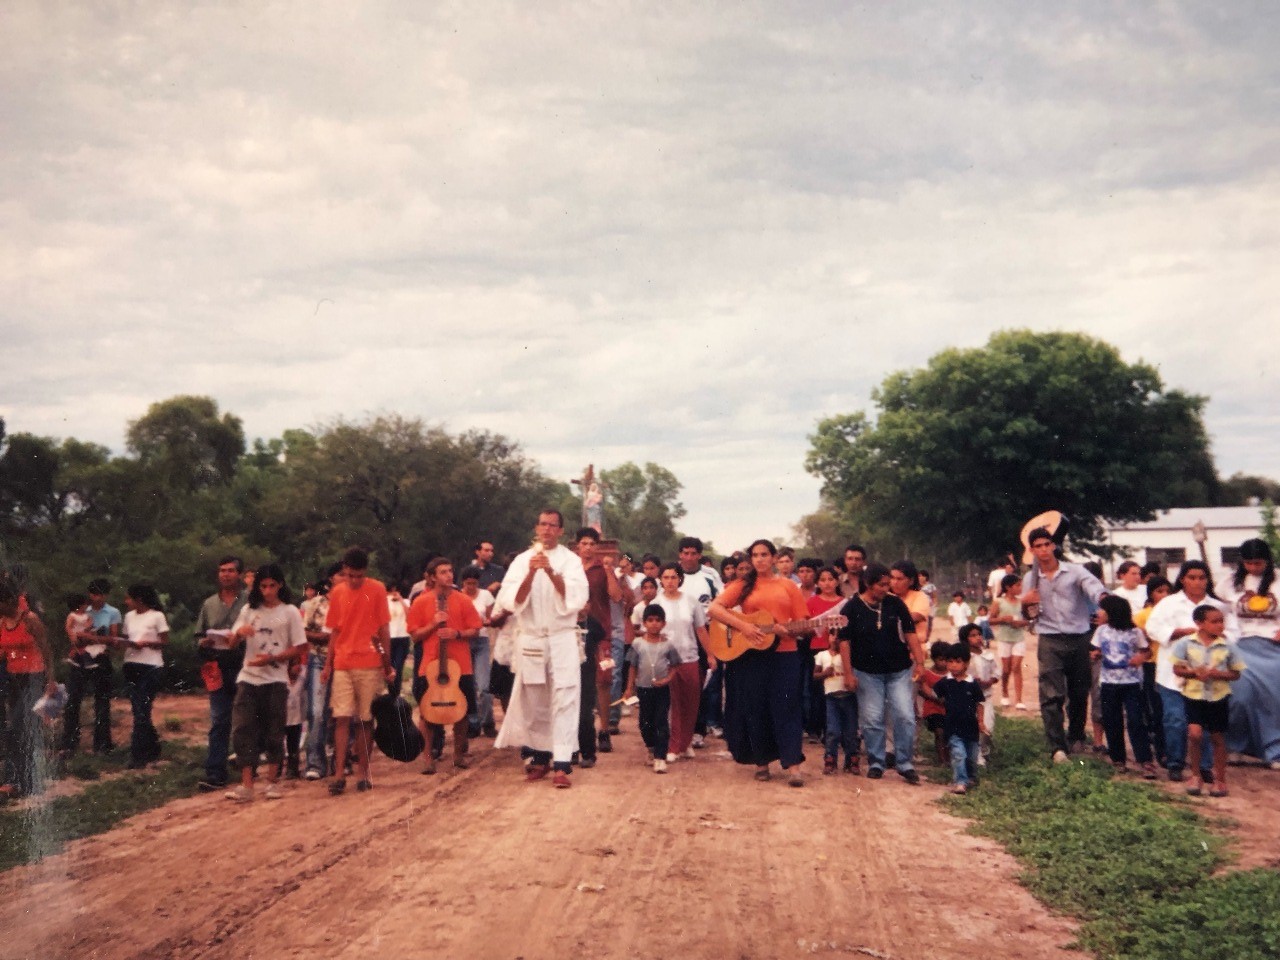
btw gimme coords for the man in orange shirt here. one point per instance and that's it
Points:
(454, 626)
(359, 663)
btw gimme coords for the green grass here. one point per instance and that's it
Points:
(1131, 861)
(30, 835)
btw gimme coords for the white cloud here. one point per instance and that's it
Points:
(617, 233)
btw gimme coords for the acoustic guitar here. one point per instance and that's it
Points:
(443, 703)
(726, 643)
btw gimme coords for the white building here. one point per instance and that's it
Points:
(1170, 539)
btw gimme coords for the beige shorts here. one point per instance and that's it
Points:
(1008, 650)
(352, 691)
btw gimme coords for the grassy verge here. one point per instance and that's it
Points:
(1129, 860)
(30, 835)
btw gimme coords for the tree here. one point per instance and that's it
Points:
(964, 450)
(641, 507)
(185, 444)
(1241, 489)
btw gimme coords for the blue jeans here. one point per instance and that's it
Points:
(220, 700)
(618, 651)
(1175, 732)
(713, 699)
(875, 691)
(481, 660)
(141, 682)
(399, 654)
(964, 760)
(842, 726)
(317, 694)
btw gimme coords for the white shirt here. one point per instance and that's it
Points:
(483, 601)
(276, 630)
(144, 626)
(544, 610)
(1137, 597)
(399, 611)
(993, 581)
(684, 615)
(1173, 613)
(959, 613)
(703, 585)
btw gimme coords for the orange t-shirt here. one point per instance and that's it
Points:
(461, 614)
(355, 617)
(18, 647)
(929, 708)
(779, 597)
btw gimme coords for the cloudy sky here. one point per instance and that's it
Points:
(679, 232)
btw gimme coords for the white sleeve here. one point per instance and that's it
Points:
(297, 636)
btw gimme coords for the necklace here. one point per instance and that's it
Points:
(878, 609)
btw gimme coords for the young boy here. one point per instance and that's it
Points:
(931, 710)
(985, 669)
(652, 657)
(1209, 664)
(962, 699)
(958, 612)
(842, 713)
(648, 594)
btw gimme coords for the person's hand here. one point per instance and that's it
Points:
(712, 662)
(389, 673)
(206, 641)
(1202, 672)
(540, 561)
(754, 634)
(1137, 660)
(448, 634)
(261, 660)
(851, 683)
(917, 671)
(248, 630)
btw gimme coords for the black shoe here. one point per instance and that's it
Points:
(1206, 776)
(489, 731)
(586, 763)
(211, 786)
(614, 729)
(605, 745)
(1175, 775)
(910, 776)
(875, 773)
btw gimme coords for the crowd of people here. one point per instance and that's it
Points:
(567, 638)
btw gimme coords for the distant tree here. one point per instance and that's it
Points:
(1240, 489)
(963, 451)
(185, 444)
(641, 508)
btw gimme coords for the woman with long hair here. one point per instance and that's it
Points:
(24, 648)
(146, 631)
(882, 656)
(1171, 620)
(763, 720)
(1255, 714)
(270, 628)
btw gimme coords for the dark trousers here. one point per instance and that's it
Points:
(812, 698)
(762, 719)
(399, 654)
(1066, 676)
(23, 758)
(1121, 700)
(220, 703)
(293, 746)
(141, 682)
(711, 713)
(258, 714)
(1153, 711)
(95, 680)
(655, 728)
(587, 707)
(842, 725)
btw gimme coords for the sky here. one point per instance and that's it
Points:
(679, 233)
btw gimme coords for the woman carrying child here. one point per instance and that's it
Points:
(270, 628)
(1122, 650)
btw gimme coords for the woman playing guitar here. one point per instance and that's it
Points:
(763, 720)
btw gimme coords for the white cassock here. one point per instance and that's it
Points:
(544, 700)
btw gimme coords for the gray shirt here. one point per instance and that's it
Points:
(1067, 599)
(653, 661)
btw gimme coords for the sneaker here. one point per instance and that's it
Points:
(672, 758)
(659, 766)
(211, 786)
(875, 773)
(715, 732)
(603, 743)
(1060, 756)
(1019, 706)
(561, 780)
(910, 776)
(689, 754)
(312, 774)
(1004, 701)
(698, 741)
(626, 710)
(273, 792)
(240, 794)
(959, 790)
(1274, 765)
(1175, 775)
(796, 779)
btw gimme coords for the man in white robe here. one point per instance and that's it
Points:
(545, 588)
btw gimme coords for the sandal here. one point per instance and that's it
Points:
(763, 774)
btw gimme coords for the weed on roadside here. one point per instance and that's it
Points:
(1131, 861)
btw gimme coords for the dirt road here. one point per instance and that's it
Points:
(703, 862)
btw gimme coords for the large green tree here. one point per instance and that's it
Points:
(964, 450)
(641, 507)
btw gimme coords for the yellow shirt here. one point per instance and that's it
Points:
(1219, 655)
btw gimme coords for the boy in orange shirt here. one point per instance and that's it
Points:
(358, 667)
(454, 627)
